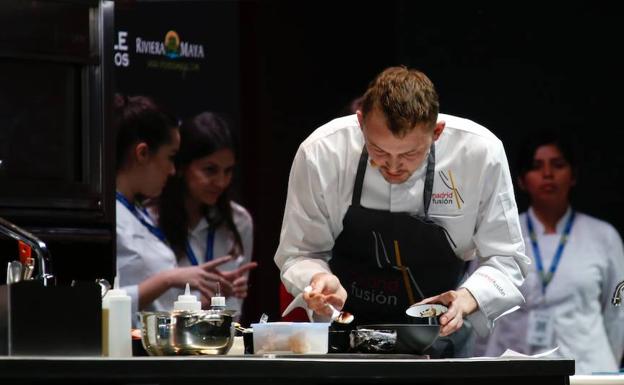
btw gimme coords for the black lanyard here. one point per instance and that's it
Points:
(547, 276)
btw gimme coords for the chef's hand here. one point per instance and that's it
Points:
(238, 279)
(203, 277)
(460, 303)
(326, 288)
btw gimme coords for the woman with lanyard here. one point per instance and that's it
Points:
(147, 141)
(578, 261)
(195, 211)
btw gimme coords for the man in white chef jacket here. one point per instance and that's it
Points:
(384, 208)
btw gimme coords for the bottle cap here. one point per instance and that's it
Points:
(187, 301)
(217, 300)
(116, 291)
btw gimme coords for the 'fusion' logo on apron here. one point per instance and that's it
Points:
(451, 197)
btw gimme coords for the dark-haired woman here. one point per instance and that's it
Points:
(195, 211)
(577, 262)
(147, 142)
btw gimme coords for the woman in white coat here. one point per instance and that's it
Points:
(577, 262)
(147, 141)
(195, 211)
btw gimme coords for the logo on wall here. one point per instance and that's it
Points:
(451, 197)
(172, 44)
(121, 57)
(177, 54)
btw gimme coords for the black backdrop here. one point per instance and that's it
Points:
(280, 69)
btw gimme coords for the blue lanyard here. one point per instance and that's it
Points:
(134, 210)
(209, 249)
(547, 276)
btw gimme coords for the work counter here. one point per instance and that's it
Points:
(293, 370)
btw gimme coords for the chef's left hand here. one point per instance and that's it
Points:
(460, 303)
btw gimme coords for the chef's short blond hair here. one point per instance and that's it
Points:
(406, 97)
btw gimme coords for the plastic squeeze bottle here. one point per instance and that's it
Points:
(187, 301)
(116, 323)
(218, 301)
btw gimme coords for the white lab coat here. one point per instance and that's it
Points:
(485, 219)
(223, 244)
(587, 327)
(140, 254)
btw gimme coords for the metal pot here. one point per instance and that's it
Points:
(186, 332)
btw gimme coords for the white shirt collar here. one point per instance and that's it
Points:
(539, 227)
(201, 226)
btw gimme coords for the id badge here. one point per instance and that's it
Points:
(541, 331)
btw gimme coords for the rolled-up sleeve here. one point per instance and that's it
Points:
(502, 263)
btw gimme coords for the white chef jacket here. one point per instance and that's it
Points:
(140, 254)
(472, 198)
(223, 243)
(587, 327)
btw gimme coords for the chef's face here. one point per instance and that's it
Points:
(208, 177)
(397, 158)
(551, 177)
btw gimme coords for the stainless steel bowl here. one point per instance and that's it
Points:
(186, 332)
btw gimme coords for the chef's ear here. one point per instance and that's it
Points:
(437, 130)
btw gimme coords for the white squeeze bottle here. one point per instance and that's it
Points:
(116, 323)
(187, 301)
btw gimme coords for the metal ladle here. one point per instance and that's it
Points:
(342, 317)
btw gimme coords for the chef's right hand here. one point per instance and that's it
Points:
(326, 288)
(204, 278)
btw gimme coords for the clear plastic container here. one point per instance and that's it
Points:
(290, 338)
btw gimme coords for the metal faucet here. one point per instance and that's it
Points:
(617, 296)
(41, 250)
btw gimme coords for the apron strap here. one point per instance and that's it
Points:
(359, 179)
(429, 179)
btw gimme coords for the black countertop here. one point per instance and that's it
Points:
(294, 370)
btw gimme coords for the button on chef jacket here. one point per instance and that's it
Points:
(472, 199)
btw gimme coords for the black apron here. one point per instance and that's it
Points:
(388, 261)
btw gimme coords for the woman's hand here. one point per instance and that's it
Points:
(238, 279)
(326, 288)
(460, 303)
(204, 278)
